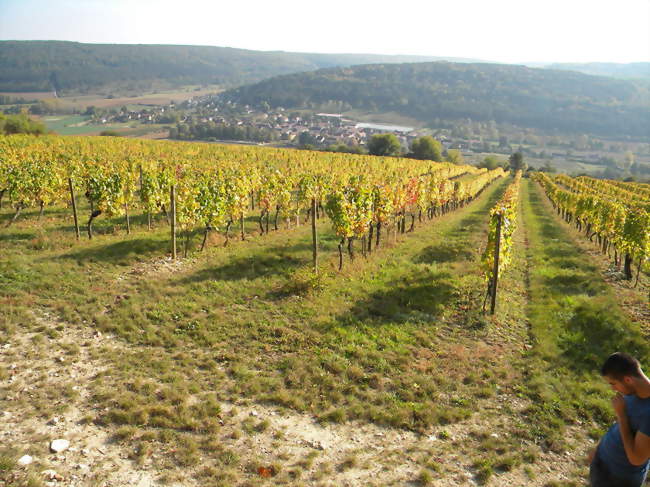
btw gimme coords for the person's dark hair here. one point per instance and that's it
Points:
(619, 365)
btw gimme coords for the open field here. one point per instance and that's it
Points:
(29, 95)
(79, 125)
(201, 371)
(160, 98)
(80, 102)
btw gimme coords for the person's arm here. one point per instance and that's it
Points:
(637, 447)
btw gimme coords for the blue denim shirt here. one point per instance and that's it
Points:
(611, 450)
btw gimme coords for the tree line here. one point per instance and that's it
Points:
(212, 131)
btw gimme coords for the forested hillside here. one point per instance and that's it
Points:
(550, 100)
(614, 70)
(72, 66)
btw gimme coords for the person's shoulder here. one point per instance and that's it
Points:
(643, 404)
(637, 403)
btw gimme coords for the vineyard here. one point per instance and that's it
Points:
(213, 188)
(198, 314)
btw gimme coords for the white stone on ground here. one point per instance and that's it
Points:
(25, 460)
(57, 446)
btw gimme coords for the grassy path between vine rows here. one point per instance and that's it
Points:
(197, 373)
(632, 296)
(575, 322)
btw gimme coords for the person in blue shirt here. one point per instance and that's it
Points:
(622, 456)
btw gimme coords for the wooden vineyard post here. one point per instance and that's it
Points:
(74, 208)
(128, 222)
(172, 207)
(314, 235)
(495, 272)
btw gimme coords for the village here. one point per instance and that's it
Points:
(205, 117)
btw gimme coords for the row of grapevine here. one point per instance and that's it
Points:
(215, 187)
(498, 252)
(603, 189)
(621, 225)
(360, 210)
(640, 189)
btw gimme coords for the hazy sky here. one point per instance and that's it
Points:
(497, 30)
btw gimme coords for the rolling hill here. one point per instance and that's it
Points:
(614, 70)
(550, 100)
(76, 67)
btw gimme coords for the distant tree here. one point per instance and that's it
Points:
(426, 148)
(384, 145)
(20, 124)
(517, 161)
(547, 167)
(628, 161)
(611, 173)
(36, 109)
(455, 156)
(170, 116)
(46, 106)
(640, 169)
(306, 139)
(350, 149)
(607, 161)
(490, 163)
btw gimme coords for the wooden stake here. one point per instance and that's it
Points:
(172, 207)
(495, 272)
(128, 222)
(74, 208)
(314, 235)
